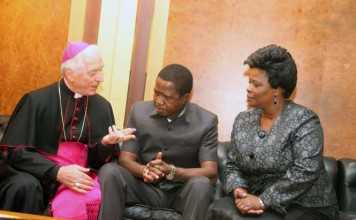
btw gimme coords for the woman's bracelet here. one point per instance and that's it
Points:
(261, 203)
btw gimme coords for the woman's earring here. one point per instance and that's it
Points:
(274, 100)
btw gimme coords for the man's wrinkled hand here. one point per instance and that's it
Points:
(75, 178)
(115, 135)
(159, 166)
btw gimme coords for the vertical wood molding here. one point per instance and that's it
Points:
(157, 45)
(92, 20)
(137, 80)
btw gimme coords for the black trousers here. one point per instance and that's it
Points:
(119, 187)
(21, 192)
(225, 209)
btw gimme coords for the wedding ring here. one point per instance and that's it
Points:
(77, 184)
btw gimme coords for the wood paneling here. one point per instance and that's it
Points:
(92, 21)
(213, 37)
(136, 91)
(33, 35)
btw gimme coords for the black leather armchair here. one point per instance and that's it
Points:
(3, 123)
(341, 172)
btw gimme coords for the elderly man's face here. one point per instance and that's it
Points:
(167, 100)
(87, 80)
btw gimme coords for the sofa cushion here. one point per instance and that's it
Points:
(144, 212)
(346, 216)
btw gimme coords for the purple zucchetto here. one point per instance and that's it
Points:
(73, 49)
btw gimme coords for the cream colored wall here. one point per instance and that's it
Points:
(115, 40)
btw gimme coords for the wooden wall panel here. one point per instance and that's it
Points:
(213, 37)
(33, 35)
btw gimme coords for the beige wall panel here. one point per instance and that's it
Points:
(213, 37)
(33, 35)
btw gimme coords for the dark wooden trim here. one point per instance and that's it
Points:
(92, 21)
(137, 82)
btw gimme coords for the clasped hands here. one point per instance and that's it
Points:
(156, 169)
(247, 203)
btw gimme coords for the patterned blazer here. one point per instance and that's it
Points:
(283, 166)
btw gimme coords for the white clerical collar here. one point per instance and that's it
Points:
(77, 95)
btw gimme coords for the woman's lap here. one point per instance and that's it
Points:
(225, 209)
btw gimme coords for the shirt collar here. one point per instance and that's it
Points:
(184, 114)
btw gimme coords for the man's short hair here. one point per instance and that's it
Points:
(279, 66)
(180, 76)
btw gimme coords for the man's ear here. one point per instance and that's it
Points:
(68, 75)
(187, 97)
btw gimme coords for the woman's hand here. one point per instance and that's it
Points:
(240, 193)
(116, 136)
(75, 178)
(249, 204)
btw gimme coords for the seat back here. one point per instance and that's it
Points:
(331, 168)
(222, 150)
(3, 166)
(4, 119)
(347, 188)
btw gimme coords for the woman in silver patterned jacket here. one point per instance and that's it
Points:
(275, 168)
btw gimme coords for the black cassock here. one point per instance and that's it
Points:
(36, 126)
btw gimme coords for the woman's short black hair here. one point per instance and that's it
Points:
(180, 76)
(279, 66)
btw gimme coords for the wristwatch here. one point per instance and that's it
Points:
(171, 173)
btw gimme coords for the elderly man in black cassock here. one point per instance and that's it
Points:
(56, 139)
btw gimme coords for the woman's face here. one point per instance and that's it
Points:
(259, 92)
